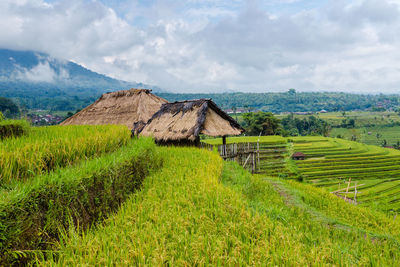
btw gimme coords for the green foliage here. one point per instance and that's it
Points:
(264, 123)
(1, 116)
(33, 213)
(348, 123)
(8, 107)
(13, 128)
(292, 101)
(311, 125)
(47, 148)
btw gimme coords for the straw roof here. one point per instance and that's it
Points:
(186, 120)
(128, 107)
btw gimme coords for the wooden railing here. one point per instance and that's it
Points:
(245, 154)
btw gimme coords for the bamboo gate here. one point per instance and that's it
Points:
(246, 154)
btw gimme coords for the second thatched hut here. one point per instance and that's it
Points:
(182, 122)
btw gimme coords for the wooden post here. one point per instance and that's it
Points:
(224, 144)
(244, 165)
(355, 194)
(254, 163)
(258, 154)
(347, 189)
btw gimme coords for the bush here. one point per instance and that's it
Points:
(13, 128)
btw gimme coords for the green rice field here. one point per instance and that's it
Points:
(199, 210)
(376, 135)
(46, 148)
(119, 201)
(330, 163)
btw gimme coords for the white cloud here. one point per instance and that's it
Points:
(215, 45)
(42, 72)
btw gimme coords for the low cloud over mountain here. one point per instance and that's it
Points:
(333, 45)
(26, 74)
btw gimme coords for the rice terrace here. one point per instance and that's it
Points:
(94, 193)
(199, 133)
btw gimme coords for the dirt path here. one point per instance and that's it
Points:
(291, 199)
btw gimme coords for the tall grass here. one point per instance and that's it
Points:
(185, 216)
(330, 231)
(46, 148)
(32, 213)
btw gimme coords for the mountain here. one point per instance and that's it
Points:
(27, 75)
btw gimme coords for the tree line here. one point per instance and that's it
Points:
(265, 123)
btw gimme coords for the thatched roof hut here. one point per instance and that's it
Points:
(299, 156)
(128, 107)
(184, 121)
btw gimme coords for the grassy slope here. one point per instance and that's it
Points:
(32, 213)
(47, 148)
(331, 162)
(185, 216)
(330, 230)
(370, 135)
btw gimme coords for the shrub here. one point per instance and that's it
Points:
(13, 128)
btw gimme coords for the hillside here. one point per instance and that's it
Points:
(332, 163)
(33, 77)
(198, 210)
(104, 199)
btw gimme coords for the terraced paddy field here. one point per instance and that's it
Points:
(370, 135)
(198, 210)
(146, 205)
(331, 163)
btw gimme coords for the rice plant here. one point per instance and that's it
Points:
(46, 148)
(200, 211)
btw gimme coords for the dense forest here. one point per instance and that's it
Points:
(290, 101)
(8, 108)
(265, 123)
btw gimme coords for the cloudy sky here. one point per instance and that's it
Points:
(218, 45)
